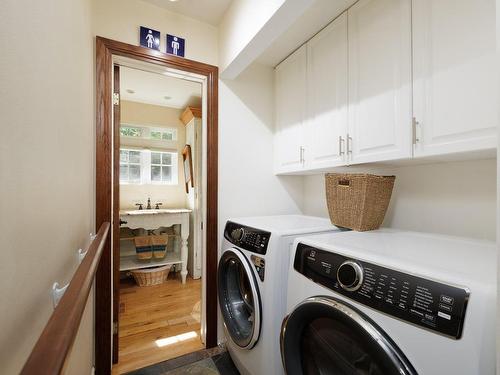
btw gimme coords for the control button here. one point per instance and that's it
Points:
(444, 307)
(444, 316)
(446, 299)
(350, 276)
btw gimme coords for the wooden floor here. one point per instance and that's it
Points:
(158, 323)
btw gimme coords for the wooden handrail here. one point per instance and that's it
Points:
(49, 355)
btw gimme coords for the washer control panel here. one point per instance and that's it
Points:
(434, 305)
(248, 238)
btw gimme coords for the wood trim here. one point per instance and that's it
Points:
(190, 113)
(50, 353)
(116, 211)
(105, 49)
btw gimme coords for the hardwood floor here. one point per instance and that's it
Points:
(158, 322)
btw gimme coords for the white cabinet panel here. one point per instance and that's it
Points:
(455, 99)
(290, 86)
(380, 80)
(327, 96)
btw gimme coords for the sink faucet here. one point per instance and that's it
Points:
(149, 204)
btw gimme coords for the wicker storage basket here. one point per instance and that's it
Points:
(159, 243)
(151, 276)
(358, 201)
(143, 247)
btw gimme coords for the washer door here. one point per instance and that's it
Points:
(239, 298)
(324, 335)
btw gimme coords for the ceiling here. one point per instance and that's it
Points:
(152, 88)
(209, 11)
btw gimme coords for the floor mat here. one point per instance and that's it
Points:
(204, 362)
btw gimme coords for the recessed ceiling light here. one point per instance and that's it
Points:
(167, 97)
(173, 1)
(130, 91)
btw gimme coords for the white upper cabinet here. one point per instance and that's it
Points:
(455, 99)
(380, 120)
(290, 94)
(327, 96)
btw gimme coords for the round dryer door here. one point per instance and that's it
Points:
(324, 335)
(239, 298)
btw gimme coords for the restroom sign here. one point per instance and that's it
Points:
(175, 45)
(150, 38)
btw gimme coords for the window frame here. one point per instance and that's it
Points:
(146, 166)
(174, 167)
(128, 164)
(146, 131)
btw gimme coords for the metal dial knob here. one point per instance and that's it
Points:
(350, 275)
(238, 234)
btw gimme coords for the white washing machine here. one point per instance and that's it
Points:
(252, 279)
(390, 302)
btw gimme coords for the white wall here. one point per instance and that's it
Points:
(46, 168)
(456, 198)
(121, 19)
(241, 22)
(247, 185)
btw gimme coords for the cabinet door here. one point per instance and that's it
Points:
(327, 96)
(380, 80)
(290, 91)
(455, 100)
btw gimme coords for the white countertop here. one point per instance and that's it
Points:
(156, 211)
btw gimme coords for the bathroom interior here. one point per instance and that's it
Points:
(160, 246)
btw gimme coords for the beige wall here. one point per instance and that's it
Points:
(121, 19)
(46, 167)
(172, 196)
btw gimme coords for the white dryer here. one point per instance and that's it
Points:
(390, 302)
(252, 279)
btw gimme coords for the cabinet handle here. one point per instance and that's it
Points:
(349, 141)
(301, 154)
(415, 125)
(340, 146)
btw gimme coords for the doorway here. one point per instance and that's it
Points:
(158, 182)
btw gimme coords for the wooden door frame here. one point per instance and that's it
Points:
(105, 50)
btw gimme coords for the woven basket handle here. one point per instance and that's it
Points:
(344, 182)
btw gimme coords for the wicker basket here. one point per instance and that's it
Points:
(143, 247)
(358, 201)
(159, 243)
(151, 276)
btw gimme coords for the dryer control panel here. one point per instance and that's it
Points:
(431, 304)
(247, 238)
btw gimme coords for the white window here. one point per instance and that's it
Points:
(148, 132)
(162, 166)
(167, 134)
(130, 166)
(143, 167)
(131, 131)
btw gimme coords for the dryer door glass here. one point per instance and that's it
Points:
(239, 298)
(327, 336)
